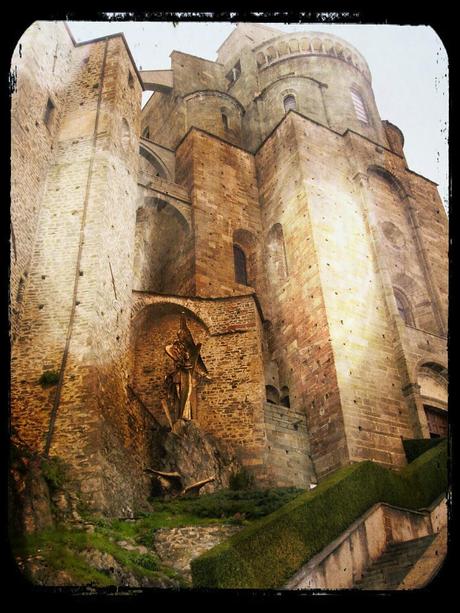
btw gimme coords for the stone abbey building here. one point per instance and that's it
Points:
(262, 196)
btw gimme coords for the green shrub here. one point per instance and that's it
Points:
(413, 448)
(226, 503)
(267, 553)
(145, 560)
(241, 480)
(49, 378)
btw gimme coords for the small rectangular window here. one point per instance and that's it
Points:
(360, 108)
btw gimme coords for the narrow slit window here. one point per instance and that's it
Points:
(241, 273)
(234, 74)
(360, 108)
(49, 113)
(225, 121)
(289, 103)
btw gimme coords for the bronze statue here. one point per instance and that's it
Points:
(189, 370)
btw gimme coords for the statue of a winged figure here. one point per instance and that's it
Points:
(189, 370)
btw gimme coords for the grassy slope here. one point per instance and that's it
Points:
(62, 547)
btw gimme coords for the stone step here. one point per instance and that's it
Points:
(418, 542)
(403, 554)
(387, 572)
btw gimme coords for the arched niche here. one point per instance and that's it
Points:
(163, 258)
(125, 135)
(393, 182)
(404, 307)
(154, 327)
(271, 53)
(432, 379)
(276, 248)
(411, 297)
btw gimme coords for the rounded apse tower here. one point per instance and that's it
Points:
(318, 75)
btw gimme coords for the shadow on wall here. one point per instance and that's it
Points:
(163, 261)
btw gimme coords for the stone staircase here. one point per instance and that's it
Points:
(390, 569)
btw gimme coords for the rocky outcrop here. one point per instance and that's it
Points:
(194, 454)
(29, 501)
(39, 493)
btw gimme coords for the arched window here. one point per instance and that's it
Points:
(289, 103)
(241, 274)
(225, 121)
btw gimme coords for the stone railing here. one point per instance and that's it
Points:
(309, 43)
(343, 562)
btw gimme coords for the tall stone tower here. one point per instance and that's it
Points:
(260, 195)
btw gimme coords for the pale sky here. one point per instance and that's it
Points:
(409, 68)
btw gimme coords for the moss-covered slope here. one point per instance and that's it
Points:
(269, 552)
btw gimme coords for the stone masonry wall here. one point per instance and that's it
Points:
(40, 66)
(77, 303)
(301, 337)
(361, 327)
(222, 185)
(287, 441)
(165, 119)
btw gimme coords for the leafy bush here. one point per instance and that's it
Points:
(145, 560)
(241, 480)
(227, 503)
(267, 553)
(49, 378)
